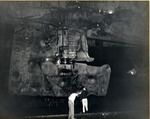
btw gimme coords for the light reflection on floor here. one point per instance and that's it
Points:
(103, 115)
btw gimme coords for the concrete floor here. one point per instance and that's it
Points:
(102, 115)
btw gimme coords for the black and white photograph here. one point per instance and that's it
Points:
(74, 59)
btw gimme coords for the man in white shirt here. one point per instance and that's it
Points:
(71, 99)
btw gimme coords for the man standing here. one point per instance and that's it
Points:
(71, 100)
(84, 100)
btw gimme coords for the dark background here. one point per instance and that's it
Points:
(126, 93)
